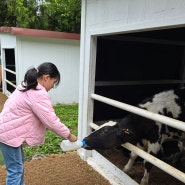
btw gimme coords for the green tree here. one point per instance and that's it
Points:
(54, 15)
(21, 13)
(64, 14)
(3, 12)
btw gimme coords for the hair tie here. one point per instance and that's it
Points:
(37, 71)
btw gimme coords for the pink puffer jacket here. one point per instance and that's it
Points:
(25, 117)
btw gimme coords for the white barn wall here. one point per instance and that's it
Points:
(31, 51)
(8, 41)
(108, 16)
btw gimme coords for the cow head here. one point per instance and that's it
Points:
(108, 136)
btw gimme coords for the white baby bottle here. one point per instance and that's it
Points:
(66, 145)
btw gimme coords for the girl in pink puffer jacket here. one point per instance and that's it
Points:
(26, 115)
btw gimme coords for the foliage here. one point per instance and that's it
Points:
(54, 15)
(62, 14)
(68, 114)
(3, 12)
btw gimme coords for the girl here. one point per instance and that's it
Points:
(26, 114)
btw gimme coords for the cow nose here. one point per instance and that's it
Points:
(86, 145)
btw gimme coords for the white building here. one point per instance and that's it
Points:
(21, 48)
(129, 50)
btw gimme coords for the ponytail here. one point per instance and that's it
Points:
(30, 80)
(31, 76)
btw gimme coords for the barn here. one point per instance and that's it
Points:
(129, 50)
(21, 48)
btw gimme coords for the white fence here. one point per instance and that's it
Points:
(11, 83)
(153, 116)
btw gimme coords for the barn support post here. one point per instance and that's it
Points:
(87, 76)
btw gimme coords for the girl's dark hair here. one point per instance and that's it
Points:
(31, 76)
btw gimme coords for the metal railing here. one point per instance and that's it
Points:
(153, 116)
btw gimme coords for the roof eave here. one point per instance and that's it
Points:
(39, 33)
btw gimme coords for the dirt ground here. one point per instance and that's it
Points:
(64, 169)
(157, 176)
(69, 169)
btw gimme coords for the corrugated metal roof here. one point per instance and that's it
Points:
(39, 33)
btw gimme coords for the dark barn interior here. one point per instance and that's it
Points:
(129, 68)
(133, 66)
(10, 65)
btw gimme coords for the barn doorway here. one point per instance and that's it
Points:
(9, 71)
(133, 66)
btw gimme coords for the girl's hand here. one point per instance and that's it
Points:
(72, 138)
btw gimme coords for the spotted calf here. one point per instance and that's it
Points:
(147, 134)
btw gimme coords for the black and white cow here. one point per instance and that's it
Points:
(173, 151)
(142, 132)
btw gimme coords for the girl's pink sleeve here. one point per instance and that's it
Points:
(44, 111)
